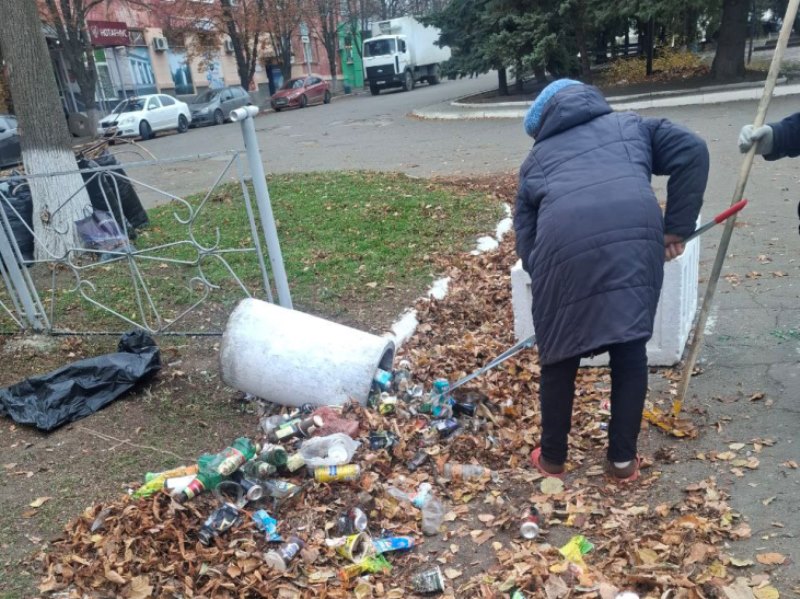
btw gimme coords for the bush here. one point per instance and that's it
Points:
(669, 65)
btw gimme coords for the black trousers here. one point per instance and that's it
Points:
(628, 391)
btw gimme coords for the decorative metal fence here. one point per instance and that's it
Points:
(179, 273)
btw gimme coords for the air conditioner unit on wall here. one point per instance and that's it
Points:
(229, 46)
(160, 44)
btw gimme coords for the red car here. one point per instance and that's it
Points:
(301, 92)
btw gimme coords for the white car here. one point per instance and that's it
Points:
(145, 115)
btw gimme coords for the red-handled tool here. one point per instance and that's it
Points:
(718, 219)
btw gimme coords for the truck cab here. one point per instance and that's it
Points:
(387, 63)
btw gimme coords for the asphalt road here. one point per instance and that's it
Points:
(353, 132)
(753, 338)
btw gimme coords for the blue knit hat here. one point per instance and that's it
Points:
(534, 115)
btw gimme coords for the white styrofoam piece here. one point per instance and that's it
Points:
(674, 316)
(291, 358)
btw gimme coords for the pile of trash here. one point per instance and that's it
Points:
(384, 500)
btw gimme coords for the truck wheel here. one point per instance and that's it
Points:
(435, 76)
(408, 82)
(374, 89)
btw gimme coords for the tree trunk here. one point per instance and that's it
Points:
(57, 201)
(651, 30)
(519, 79)
(502, 82)
(580, 40)
(729, 58)
(540, 74)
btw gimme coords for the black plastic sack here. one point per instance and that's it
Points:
(19, 197)
(132, 208)
(81, 388)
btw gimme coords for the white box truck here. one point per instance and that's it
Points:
(401, 52)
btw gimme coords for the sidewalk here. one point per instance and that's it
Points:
(717, 94)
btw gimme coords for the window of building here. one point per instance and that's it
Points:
(136, 37)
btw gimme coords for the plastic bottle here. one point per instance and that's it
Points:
(456, 472)
(279, 559)
(281, 489)
(275, 455)
(154, 481)
(432, 509)
(228, 461)
(206, 479)
(259, 469)
(295, 428)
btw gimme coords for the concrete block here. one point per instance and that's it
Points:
(674, 316)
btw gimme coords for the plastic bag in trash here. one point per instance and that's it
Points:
(108, 191)
(334, 423)
(18, 206)
(81, 388)
(333, 450)
(99, 231)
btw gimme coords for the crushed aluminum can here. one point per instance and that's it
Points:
(428, 581)
(392, 544)
(219, 521)
(268, 524)
(445, 427)
(382, 379)
(417, 461)
(529, 529)
(382, 440)
(463, 408)
(387, 404)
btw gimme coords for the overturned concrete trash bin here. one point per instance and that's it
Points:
(674, 316)
(291, 358)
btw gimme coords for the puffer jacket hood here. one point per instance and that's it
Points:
(570, 107)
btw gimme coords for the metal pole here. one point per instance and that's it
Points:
(10, 257)
(66, 80)
(744, 173)
(245, 115)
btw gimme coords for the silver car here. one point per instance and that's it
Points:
(214, 106)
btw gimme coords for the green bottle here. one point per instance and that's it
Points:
(275, 455)
(206, 479)
(230, 459)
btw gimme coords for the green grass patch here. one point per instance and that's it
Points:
(346, 237)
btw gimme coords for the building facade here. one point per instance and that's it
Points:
(135, 54)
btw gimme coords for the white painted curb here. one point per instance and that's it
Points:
(718, 97)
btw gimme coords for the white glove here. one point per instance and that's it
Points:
(761, 136)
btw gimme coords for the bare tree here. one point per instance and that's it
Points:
(283, 19)
(324, 18)
(57, 201)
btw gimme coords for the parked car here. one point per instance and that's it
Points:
(10, 151)
(300, 93)
(215, 105)
(144, 116)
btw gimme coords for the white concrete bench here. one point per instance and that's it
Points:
(674, 316)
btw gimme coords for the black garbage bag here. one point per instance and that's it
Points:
(132, 208)
(18, 198)
(81, 388)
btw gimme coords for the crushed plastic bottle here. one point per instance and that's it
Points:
(432, 509)
(452, 471)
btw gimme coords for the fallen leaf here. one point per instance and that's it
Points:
(372, 284)
(741, 563)
(552, 486)
(140, 589)
(767, 592)
(738, 590)
(485, 518)
(555, 588)
(39, 501)
(769, 500)
(779, 273)
(114, 576)
(771, 559)
(758, 396)
(736, 446)
(726, 455)
(452, 573)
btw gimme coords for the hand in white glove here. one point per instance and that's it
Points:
(761, 136)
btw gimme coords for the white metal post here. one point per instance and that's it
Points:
(245, 116)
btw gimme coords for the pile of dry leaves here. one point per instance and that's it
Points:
(651, 546)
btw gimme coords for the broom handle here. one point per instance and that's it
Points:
(744, 173)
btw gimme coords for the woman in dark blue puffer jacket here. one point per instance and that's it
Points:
(591, 235)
